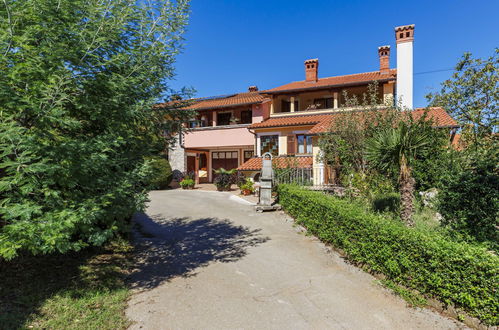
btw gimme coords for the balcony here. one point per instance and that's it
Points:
(320, 111)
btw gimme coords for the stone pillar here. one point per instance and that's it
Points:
(177, 157)
(335, 101)
(214, 118)
(292, 105)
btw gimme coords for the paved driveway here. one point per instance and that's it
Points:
(208, 261)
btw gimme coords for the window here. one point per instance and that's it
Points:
(224, 155)
(197, 123)
(269, 143)
(324, 103)
(304, 143)
(246, 117)
(223, 118)
(286, 106)
(248, 154)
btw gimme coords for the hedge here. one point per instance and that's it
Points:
(455, 273)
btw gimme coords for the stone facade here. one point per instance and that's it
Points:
(177, 156)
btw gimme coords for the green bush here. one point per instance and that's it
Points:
(455, 273)
(469, 202)
(161, 175)
(187, 183)
(386, 202)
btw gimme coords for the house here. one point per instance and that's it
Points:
(234, 131)
(218, 136)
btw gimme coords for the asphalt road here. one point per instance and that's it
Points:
(208, 261)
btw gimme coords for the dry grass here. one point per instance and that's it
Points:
(84, 290)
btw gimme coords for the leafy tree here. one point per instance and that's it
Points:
(396, 148)
(469, 201)
(78, 82)
(471, 95)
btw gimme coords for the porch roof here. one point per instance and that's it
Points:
(255, 163)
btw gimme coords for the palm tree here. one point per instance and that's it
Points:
(395, 148)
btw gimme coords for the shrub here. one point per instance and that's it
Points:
(469, 202)
(240, 179)
(247, 186)
(386, 202)
(187, 183)
(224, 179)
(456, 273)
(161, 175)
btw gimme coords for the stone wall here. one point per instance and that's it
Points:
(177, 158)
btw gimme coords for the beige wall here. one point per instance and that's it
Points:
(306, 99)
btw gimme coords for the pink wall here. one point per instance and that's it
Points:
(261, 112)
(222, 137)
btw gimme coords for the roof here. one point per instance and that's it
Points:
(255, 163)
(322, 122)
(337, 81)
(225, 101)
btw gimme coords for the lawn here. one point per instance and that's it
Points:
(80, 290)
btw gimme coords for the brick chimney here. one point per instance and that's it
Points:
(404, 36)
(311, 69)
(384, 59)
(252, 89)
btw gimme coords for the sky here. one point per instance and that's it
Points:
(231, 45)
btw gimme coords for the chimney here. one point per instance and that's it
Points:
(311, 69)
(252, 89)
(404, 36)
(384, 59)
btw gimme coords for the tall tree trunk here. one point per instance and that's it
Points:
(406, 182)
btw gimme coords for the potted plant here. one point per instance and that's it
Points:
(224, 179)
(234, 120)
(188, 181)
(247, 188)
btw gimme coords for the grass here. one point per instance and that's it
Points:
(84, 290)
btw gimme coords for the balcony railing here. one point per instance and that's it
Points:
(319, 111)
(206, 128)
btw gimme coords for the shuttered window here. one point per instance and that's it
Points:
(291, 144)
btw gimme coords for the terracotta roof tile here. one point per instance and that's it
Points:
(350, 79)
(255, 163)
(223, 101)
(291, 121)
(321, 122)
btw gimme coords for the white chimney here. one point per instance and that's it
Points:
(404, 35)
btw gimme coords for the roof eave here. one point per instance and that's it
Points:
(226, 106)
(326, 86)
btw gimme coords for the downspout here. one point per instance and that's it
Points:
(256, 140)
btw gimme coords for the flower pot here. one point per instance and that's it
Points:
(246, 192)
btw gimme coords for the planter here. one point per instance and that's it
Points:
(246, 192)
(223, 188)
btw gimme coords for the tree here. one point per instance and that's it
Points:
(471, 96)
(469, 201)
(79, 80)
(396, 148)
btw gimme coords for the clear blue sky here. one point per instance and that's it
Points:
(231, 45)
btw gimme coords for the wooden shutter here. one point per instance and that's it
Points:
(291, 144)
